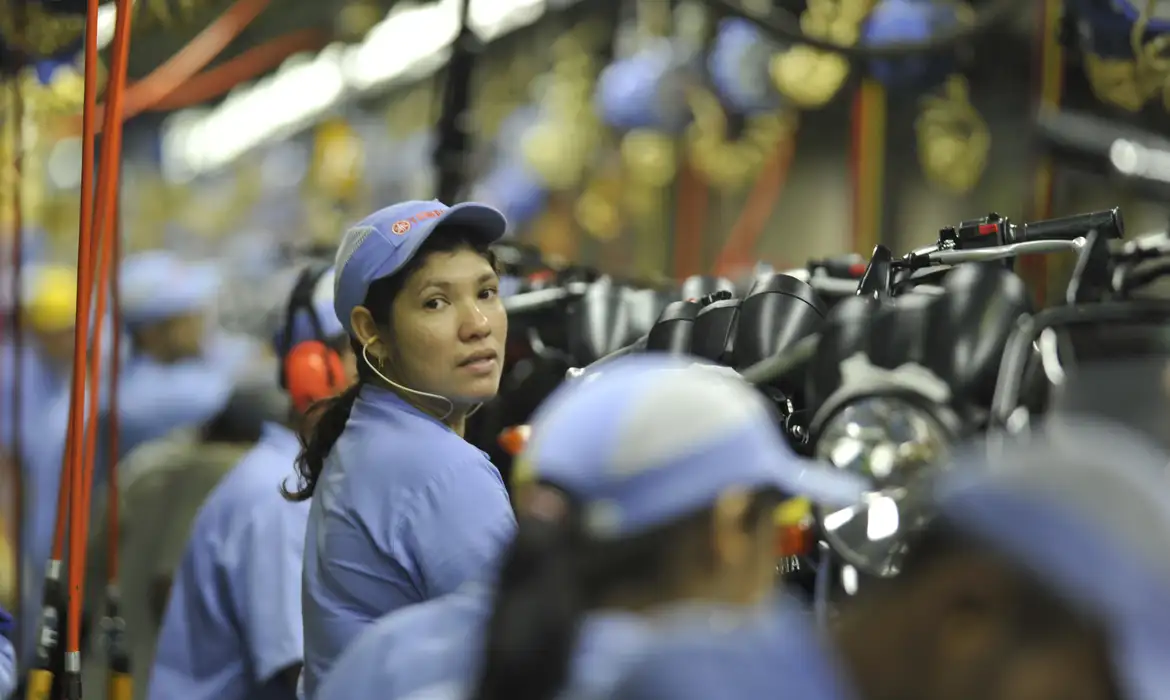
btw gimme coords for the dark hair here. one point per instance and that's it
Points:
(325, 420)
(1038, 609)
(242, 419)
(552, 575)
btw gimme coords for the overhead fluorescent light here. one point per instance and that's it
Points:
(413, 40)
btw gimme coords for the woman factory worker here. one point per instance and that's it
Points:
(1043, 577)
(232, 627)
(651, 486)
(403, 508)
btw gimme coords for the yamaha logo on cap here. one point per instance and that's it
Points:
(400, 227)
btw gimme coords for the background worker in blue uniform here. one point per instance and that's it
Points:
(1044, 576)
(180, 370)
(232, 627)
(8, 665)
(403, 508)
(49, 307)
(645, 490)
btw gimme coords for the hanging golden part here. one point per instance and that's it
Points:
(724, 163)
(45, 34)
(338, 162)
(1131, 83)
(810, 77)
(598, 209)
(562, 146)
(953, 139)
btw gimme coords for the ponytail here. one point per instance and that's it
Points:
(539, 604)
(323, 425)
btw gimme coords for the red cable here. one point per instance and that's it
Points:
(192, 58)
(248, 65)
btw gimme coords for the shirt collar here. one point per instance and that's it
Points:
(386, 399)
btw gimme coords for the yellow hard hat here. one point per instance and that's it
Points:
(51, 302)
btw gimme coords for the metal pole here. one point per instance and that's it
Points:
(454, 124)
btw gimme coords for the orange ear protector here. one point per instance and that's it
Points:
(310, 370)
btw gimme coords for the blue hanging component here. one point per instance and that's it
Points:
(646, 91)
(515, 191)
(897, 21)
(1103, 27)
(738, 65)
(1159, 20)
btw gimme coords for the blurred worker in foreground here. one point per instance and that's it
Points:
(1044, 575)
(644, 490)
(232, 627)
(8, 665)
(171, 478)
(403, 508)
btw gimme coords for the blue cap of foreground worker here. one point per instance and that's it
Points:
(653, 438)
(379, 245)
(1086, 509)
(158, 285)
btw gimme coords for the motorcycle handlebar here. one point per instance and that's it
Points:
(1002, 252)
(527, 302)
(1107, 223)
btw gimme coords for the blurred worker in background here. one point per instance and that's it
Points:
(171, 478)
(632, 507)
(403, 508)
(49, 309)
(232, 627)
(8, 665)
(180, 370)
(1043, 575)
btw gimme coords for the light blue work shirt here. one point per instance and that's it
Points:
(405, 511)
(233, 621)
(41, 384)
(8, 672)
(777, 652)
(434, 650)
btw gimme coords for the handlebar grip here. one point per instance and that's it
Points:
(1107, 223)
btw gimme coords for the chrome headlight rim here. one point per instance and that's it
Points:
(904, 502)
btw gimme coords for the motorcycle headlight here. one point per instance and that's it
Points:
(896, 444)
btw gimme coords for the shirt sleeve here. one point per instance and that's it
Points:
(270, 605)
(7, 657)
(459, 524)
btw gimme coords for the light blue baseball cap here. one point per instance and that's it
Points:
(1087, 510)
(379, 245)
(157, 285)
(652, 438)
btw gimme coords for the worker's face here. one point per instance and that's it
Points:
(56, 345)
(448, 329)
(174, 339)
(975, 629)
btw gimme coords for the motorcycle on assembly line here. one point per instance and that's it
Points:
(1104, 352)
(904, 370)
(557, 320)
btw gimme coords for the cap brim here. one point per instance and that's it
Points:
(822, 484)
(1110, 581)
